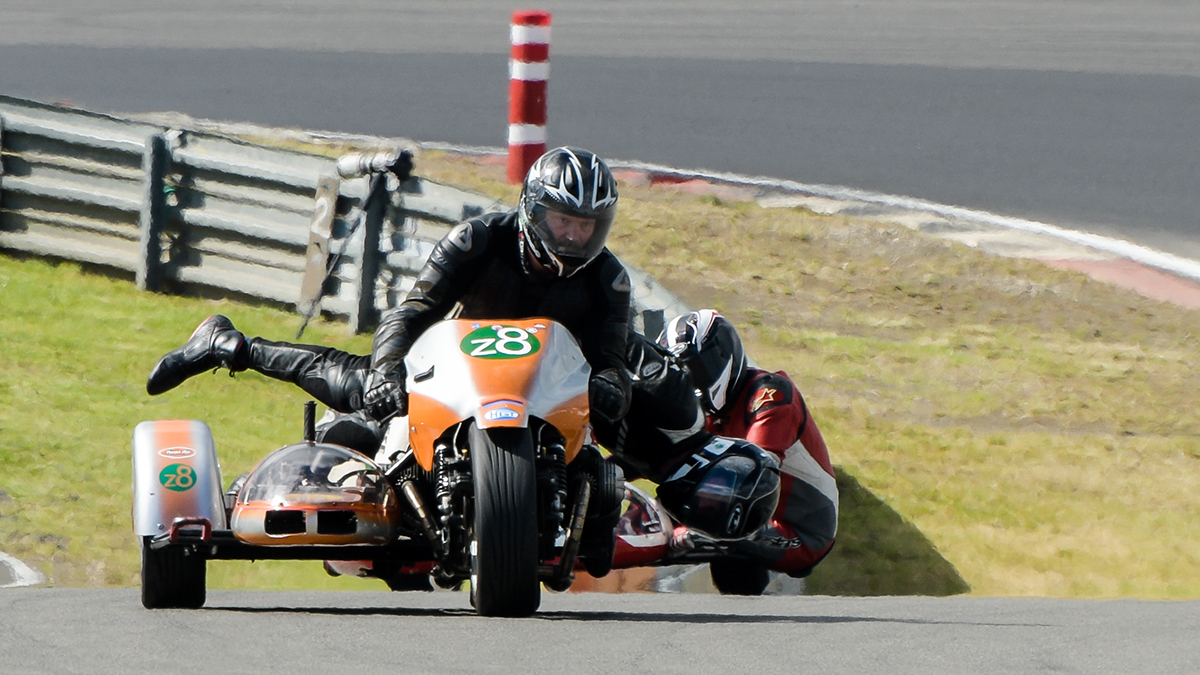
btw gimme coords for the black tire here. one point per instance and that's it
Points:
(738, 577)
(601, 548)
(608, 481)
(504, 567)
(409, 582)
(173, 577)
(599, 531)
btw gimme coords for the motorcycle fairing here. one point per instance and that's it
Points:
(498, 373)
(175, 475)
(315, 494)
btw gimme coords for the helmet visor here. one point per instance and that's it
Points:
(718, 496)
(574, 238)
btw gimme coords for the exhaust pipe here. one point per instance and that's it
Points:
(414, 500)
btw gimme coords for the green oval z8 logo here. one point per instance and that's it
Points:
(177, 477)
(500, 342)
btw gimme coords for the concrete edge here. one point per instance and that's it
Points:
(19, 573)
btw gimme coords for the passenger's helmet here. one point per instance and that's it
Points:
(573, 183)
(727, 490)
(709, 347)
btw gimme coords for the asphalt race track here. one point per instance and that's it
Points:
(1078, 114)
(98, 632)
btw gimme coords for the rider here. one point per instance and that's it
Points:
(546, 257)
(724, 488)
(765, 408)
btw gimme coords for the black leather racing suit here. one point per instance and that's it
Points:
(479, 267)
(664, 424)
(474, 272)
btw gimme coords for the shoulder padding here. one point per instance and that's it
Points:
(766, 391)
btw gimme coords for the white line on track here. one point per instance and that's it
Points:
(1157, 259)
(1166, 262)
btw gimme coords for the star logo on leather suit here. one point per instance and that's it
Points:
(763, 397)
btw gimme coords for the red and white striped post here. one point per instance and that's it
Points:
(528, 70)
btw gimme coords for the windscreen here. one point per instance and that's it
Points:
(315, 474)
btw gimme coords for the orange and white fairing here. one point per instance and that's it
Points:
(499, 373)
(315, 494)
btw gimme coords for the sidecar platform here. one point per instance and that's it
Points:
(223, 545)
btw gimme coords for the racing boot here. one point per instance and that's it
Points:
(215, 343)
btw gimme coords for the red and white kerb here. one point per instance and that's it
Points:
(528, 70)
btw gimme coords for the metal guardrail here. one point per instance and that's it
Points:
(74, 186)
(191, 211)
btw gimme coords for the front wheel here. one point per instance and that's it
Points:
(172, 577)
(504, 542)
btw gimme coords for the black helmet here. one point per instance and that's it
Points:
(563, 185)
(711, 350)
(727, 490)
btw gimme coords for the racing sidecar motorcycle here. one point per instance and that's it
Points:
(492, 481)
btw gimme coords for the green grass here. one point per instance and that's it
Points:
(75, 349)
(999, 427)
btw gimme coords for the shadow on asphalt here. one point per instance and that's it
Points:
(747, 619)
(607, 616)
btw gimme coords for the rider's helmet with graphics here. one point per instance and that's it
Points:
(727, 490)
(566, 209)
(709, 347)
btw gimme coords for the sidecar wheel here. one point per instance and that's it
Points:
(172, 577)
(504, 560)
(737, 577)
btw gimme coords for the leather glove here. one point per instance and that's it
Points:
(609, 394)
(384, 394)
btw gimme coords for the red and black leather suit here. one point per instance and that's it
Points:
(666, 424)
(770, 412)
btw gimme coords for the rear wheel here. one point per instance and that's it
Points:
(504, 543)
(738, 577)
(172, 577)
